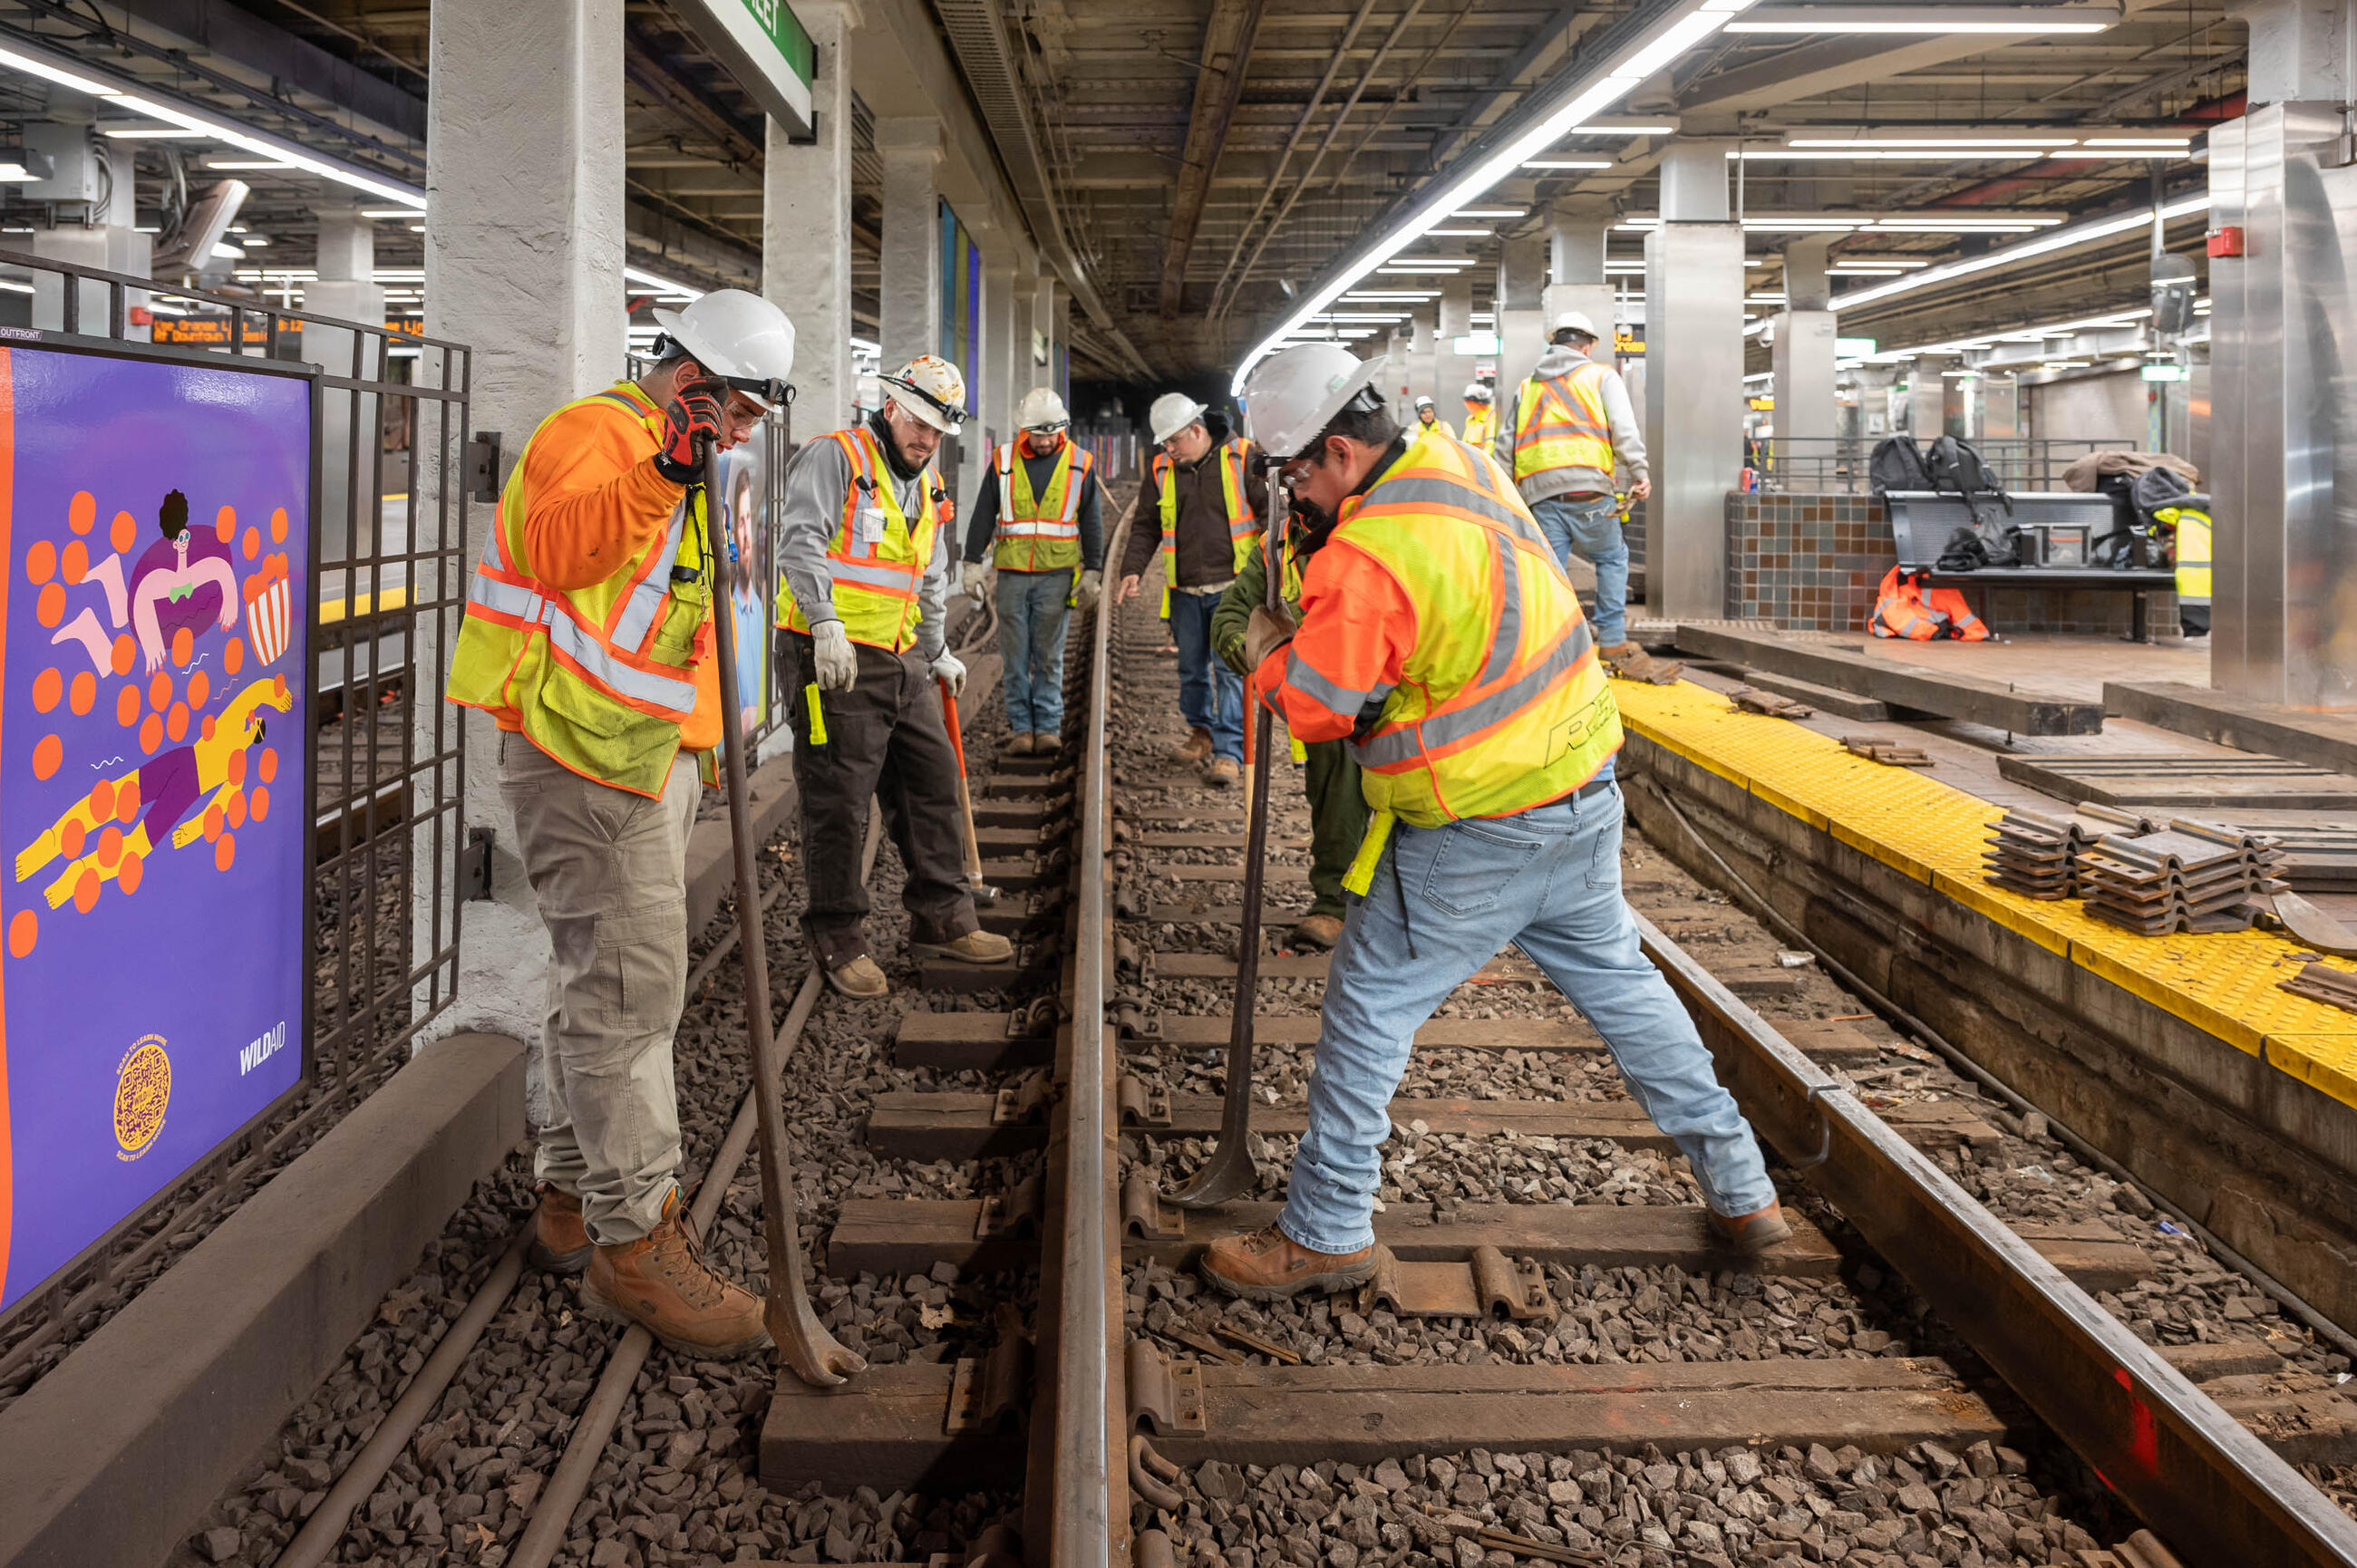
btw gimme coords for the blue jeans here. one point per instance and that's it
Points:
(1590, 527)
(1210, 695)
(1031, 618)
(1443, 901)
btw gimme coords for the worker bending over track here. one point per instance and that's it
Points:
(1202, 501)
(1039, 518)
(1438, 633)
(1571, 418)
(862, 597)
(588, 637)
(1337, 812)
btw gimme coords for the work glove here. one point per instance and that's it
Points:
(838, 667)
(973, 574)
(950, 670)
(694, 411)
(1269, 630)
(1091, 585)
(1231, 653)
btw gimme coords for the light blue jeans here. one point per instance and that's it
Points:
(1031, 618)
(1210, 695)
(1444, 902)
(1590, 527)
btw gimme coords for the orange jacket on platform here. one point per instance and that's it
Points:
(595, 500)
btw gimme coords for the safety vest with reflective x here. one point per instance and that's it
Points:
(1502, 705)
(1560, 422)
(876, 557)
(599, 678)
(1244, 528)
(1041, 533)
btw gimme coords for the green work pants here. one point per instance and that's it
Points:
(1337, 821)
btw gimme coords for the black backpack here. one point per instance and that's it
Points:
(1896, 464)
(1956, 466)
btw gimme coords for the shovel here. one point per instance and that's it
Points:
(984, 893)
(815, 1356)
(1229, 1171)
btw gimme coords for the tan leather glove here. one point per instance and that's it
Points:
(1269, 630)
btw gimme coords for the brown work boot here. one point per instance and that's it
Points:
(1022, 744)
(860, 980)
(1221, 772)
(1197, 746)
(1753, 1232)
(661, 1280)
(560, 1243)
(1318, 933)
(975, 947)
(1269, 1266)
(1627, 662)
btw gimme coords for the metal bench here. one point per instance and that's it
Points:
(2069, 530)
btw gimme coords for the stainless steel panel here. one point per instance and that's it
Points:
(1694, 404)
(1802, 361)
(2222, 476)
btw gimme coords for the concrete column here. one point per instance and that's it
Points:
(1693, 383)
(1060, 346)
(1576, 231)
(806, 228)
(1023, 372)
(1001, 362)
(1803, 353)
(346, 289)
(1423, 364)
(912, 259)
(524, 260)
(111, 245)
(1451, 370)
(1927, 398)
(1522, 314)
(1048, 327)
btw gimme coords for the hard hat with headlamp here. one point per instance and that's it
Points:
(930, 389)
(740, 338)
(1296, 393)
(1042, 410)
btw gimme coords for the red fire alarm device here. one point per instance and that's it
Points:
(2226, 242)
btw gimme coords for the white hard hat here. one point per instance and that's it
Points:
(930, 390)
(1574, 321)
(1040, 409)
(1424, 403)
(1475, 392)
(740, 338)
(1294, 393)
(1172, 413)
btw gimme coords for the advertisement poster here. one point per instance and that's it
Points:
(745, 498)
(154, 528)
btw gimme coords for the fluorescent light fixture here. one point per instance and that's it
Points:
(228, 254)
(14, 169)
(247, 165)
(1855, 272)
(2139, 141)
(1475, 343)
(1491, 212)
(2061, 239)
(1458, 233)
(1767, 299)
(869, 347)
(1902, 263)
(1566, 163)
(2022, 144)
(1609, 127)
(388, 213)
(252, 240)
(1410, 294)
(1890, 155)
(662, 286)
(9, 286)
(1393, 269)
(1926, 18)
(1963, 375)
(151, 133)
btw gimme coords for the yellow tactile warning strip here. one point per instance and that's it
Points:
(2223, 984)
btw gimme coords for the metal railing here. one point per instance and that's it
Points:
(1836, 465)
(387, 837)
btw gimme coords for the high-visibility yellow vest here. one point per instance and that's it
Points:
(1480, 425)
(1039, 533)
(1503, 705)
(1435, 423)
(875, 557)
(1244, 528)
(599, 678)
(1560, 422)
(2192, 552)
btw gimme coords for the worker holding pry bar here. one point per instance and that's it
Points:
(862, 600)
(1439, 634)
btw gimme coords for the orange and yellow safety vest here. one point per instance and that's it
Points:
(1244, 528)
(876, 557)
(1480, 425)
(1042, 532)
(1560, 422)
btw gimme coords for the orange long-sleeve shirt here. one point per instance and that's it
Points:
(593, 499)
(1357, 627)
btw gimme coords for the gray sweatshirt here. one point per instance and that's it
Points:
(1628, 444)
(817, 479)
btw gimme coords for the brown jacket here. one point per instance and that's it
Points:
(1206, 558)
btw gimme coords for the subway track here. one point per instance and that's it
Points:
(1975, 1349)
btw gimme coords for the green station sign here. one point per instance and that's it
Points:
(764, 47)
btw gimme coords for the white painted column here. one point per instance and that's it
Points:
(523, 260)
(1000, 362)
(347, 288)
(1522, 318)
(1693, 383)
(1423, 366)
(1023, 372)
(1927, 397)
(806, 226)
(1576, 231)
(912, 259)
(1451, 369)
(1060, 346)
(1803, 353)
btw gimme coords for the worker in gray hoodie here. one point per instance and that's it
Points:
(1572, 421)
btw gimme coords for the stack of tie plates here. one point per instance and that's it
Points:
(2189, 876)
(2039, 854)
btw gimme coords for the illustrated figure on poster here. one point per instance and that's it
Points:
(186, 581)
(165, 796)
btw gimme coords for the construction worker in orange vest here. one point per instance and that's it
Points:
(1572, 418)
(863, 596)
(1439, 632)
(587, 637)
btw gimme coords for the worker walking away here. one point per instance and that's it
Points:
(2163, 498)
(1040, 520)
(1428, 418)
(1201, 503)
(1337, 810)
(862, 597)
(1481, 416)
(1572, 418)
(587, 637)
(1439, 634)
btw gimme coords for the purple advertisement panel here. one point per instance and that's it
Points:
(156, 535)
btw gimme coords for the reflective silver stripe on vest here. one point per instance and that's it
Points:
(1509, 617)
(1425, 490)
(901, 580)
(1074, 482)
(1304, 679)
(505, 598)
(1443, 730)
(1042, 528)
(1007, 460)
(580, 645)
(646, 600)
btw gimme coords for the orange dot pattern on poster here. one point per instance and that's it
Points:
(225, 853)
(85, 894)
(73, 563)
(269, 763)
(134, 871)
(127, 802)
(278, 525)
(236, 768)
(234, 656)
(212, 822)
(126, 706)
(175, 723)
(200, 686)
(48, 691)
(24, 930)
(109, 846)
(236, 811)
(225, 524)
(81, 511)
(151, 733)
(49, 755)
(73, 840)
(101, 798)
(124, 531)
(252, 543)
(184, 647)
(160, 691)
(83, 695)
(261, 802)
(50, 606)
(40, 562)
(124, 649)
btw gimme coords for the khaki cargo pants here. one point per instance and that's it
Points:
(609, 869)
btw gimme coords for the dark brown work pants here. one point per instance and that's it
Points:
(885, 737)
